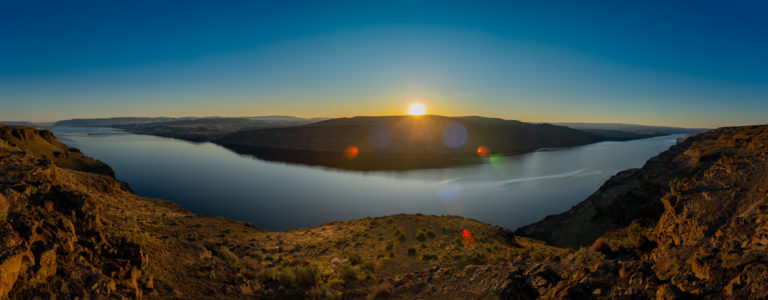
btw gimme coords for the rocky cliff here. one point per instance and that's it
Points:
(627, 196)
(42, 144)
(53, 241)
(696, 212)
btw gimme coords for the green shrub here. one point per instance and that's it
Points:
(427, 257)
(355, 259)
(538, 255)
(676, 187)
(348, 273)
(369, 265)
(251, 267)
(633, 238)
(229, 257)
(390, 246)
(636, 236)
(300, 276)
(587, 256)
(421, 237)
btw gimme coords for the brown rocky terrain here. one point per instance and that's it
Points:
(43, 144)
(690, 224)
(696, 212)
(628, 196)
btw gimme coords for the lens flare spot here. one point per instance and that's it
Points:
(455, 135)
(379, 136)
(351, 152)
(483, 151)
(467, 238)
(449, 193)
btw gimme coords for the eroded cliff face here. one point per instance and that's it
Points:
(627, 196)
(53, 243)
(714, 228)
(700, 213)
(43, 144)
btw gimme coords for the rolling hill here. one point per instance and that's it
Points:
(401, 142)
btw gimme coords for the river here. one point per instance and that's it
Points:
(211, 180)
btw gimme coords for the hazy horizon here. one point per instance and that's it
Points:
(651, 63)
(320, 117)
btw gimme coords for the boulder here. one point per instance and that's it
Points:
(11, 263)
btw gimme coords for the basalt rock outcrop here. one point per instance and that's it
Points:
(43, 144)
(697, 213)
(715, 223)
(53, 243)
(627, 196)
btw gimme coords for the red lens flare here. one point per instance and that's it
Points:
(351, 152)
(483, 151)
(468, 239)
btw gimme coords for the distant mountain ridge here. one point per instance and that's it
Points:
(379, 142)
(18, 123)
(626, 127)
(198, 129)
(401, 142)
(110, 122)
(413, 134)
(620, 131)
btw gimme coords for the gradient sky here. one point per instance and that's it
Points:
(685, 63)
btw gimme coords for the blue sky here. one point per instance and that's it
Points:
(697, 64)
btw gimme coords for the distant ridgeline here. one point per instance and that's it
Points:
(377, 143)
(401, 142)
(187, 128)
(412, 142)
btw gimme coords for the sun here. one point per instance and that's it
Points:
(417, 109)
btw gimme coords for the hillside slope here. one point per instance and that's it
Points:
(196, 129)
(621, 132)
(400, 142)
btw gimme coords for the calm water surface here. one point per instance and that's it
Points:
(211, 180)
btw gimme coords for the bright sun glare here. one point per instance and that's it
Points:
(417, 109)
